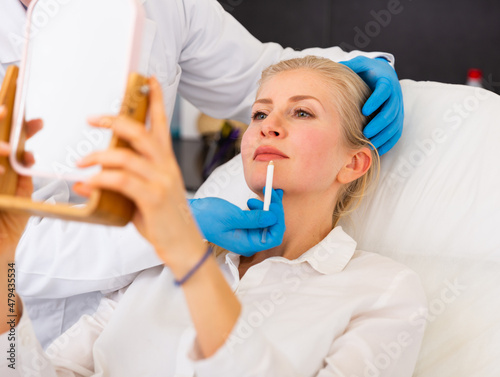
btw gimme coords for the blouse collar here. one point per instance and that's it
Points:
(329, 256)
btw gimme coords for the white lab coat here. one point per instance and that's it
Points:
(12, 16)
(191, 46)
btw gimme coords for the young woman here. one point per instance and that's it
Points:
(312, 306)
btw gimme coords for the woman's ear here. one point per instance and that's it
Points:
(357, 165)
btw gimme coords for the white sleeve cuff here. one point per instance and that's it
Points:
(25, 354)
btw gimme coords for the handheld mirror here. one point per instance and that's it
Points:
(81, 59)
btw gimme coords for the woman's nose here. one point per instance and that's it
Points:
(272, 127)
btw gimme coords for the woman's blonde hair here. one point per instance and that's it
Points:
(349, 93)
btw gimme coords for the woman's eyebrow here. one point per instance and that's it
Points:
(296, 98)
(264, 101)
(303, 97)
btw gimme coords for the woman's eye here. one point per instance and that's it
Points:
(302, 113)
(259, 116)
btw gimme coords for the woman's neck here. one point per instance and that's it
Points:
(308, 220)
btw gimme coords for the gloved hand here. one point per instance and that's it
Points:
(385, 129)
(239, 231)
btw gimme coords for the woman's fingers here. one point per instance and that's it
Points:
(24, 184)
(155, 144)
(28, 159)
(130, 131)
(104, 121)
(120, 158)
(159, 121)
(148, 171)
(4, 148)
(33, 126)
(82, 189)
(4, 151)
(115, 180)
(122, 169)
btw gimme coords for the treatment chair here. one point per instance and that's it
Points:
(435, 208)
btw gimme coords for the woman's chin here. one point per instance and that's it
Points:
(257, 182)
(257, 189)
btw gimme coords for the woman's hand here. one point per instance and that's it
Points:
(149, 175)
(11, 228)
(12, 224)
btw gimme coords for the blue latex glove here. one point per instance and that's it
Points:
(385, 129)
(239, 231)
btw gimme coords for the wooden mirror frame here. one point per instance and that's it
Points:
(104, 206)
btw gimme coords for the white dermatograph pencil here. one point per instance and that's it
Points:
(268, 193)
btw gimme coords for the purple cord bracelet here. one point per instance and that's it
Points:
(194, 269)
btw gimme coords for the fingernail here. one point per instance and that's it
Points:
(82, 189)
(106, 122)
(81, 162)
(3, 108)
(154, 82)
(94, 119)
(102, 121)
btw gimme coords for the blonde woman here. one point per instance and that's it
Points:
(312, 306)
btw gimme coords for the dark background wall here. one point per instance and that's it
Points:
(436, 40)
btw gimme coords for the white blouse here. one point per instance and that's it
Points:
(334, 311)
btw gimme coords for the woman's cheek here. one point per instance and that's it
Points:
(247, 141)
(322, 145)
(244, 140)
(247, 150)
(317, 158)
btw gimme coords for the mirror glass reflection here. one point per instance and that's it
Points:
(76, 64)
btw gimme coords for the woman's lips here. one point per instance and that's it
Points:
(268, 153)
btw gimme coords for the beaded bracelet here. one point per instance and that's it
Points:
(194, 269)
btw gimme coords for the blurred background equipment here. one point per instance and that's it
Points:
(221, 141)
(475, 77)
(203, 143)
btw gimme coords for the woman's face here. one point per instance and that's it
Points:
(296, 125)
